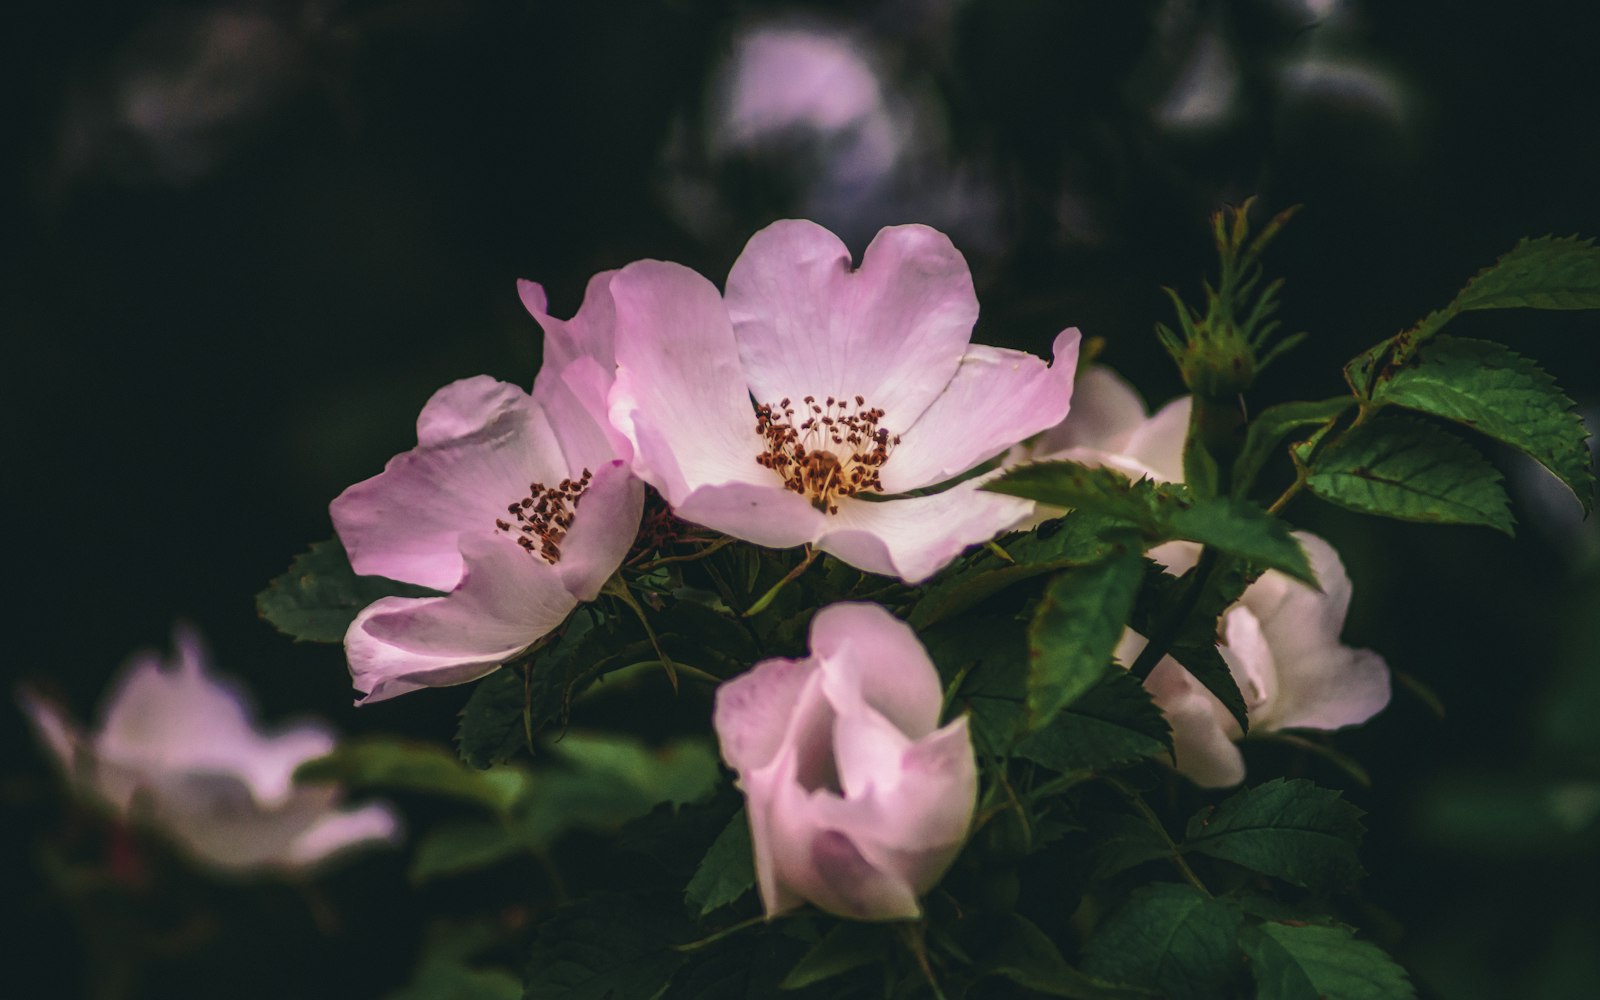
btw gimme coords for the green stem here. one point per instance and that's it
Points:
(719, 935)
(766, 599)
(715, 546)
(618, 587)
(1149, 815)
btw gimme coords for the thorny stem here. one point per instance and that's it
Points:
(618, 588)
(766, 599)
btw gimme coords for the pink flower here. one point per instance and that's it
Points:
(177, 750)
(863, 383)
(1280, 640)
(518, 506)
(857, 801)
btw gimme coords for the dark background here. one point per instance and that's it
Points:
(248, 240)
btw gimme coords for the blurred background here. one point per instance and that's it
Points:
(249, 239)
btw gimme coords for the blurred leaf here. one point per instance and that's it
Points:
(1412, 471)
(1552, 272)
(1025, 955)
(1310, 962)
(490, 730)
(848, 946)
(727, 871)
(319, 595)
(1500, 393)
(606, 948)
(464, 845)
(1287, 828)
(450, 981)
(1172, 938)
(608, 780)
(1112, 723)
(382, 764)
(1075, 631)
(1268, 429)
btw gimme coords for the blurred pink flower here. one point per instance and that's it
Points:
(177, 750)
(857, 801)
(518, 506)
(863, 381)
(1280, 640)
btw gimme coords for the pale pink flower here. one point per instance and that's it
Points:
(781, 413)
(177, 750)
(858, 801)
(518, 506)
(1280, 640)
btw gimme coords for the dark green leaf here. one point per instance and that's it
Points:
(1075, 630)
(1243, 530)
(1309, 962)
(1171, 938)
(610, 779)
(491, 729)
(607, 948)
(728, 870)
(450, 981)
(424, 768)
(1287, 828)
(1113, 723)
(1498, 392)
(1553, 272)
(462, 846)
(1075, 486)
(318, 597)
(848, 946)
(1195, 646)
(1410, 470)
(1122, 841)
(1268, 429)
(1025, 955)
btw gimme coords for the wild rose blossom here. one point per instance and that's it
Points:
(857, 801)
(1280, 640)
(517, 505)
(781, 412)
(177, 750)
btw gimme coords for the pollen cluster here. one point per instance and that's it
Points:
(544, 515)
(834, 451)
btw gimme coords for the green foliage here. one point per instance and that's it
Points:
(1095, 489)
(1194, 642)
(848, 946)
(1498, 392)
(1025, 955)
(1112, 724)
(491, 729)
(1410, 470)
(1244, 531)
(727, 871)
(1170, 938)
(1286, 828)
(1075, 630)
(1552, 272)
(1309, 962)
(450, 970)
(379, 764)
(606, 948)
(1268, 429)
(317, 598)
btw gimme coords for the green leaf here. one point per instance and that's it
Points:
(1025, 955)
(490, 730)
(1286, 828)
(1553, 272)
(1496, 391)
(464, 845)
(318, 597)
(1268, 429)
(1075, 631)
(1410, 470)
(1195, 646)
(424, 768)
(848, 946)
(727, 871)
(1112, 724)
(1310, 962)
(448, 981)
(610, 779)
(1172, 938)
(1075, 486)
(1244, 530)
(606, 948)
(1121, 841)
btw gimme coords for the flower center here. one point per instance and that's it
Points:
(834, 451)
(544, 515)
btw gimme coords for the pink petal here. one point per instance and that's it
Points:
(1157, 444)
(605, 523)
(915, 537)
(766, 514)
(997, 398)
(1106, 410)
(341, 830)
(893, 331)
(1202, 730)
(680, 395)
(873, 659)
(507, 599)
(60, 736)
(480, 443)
(588, 334)
(752, 711)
